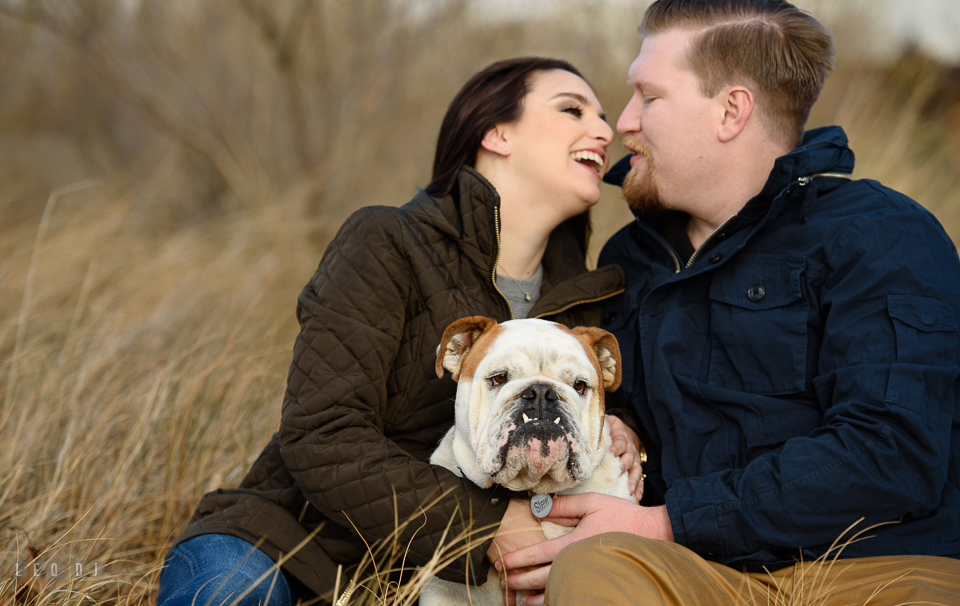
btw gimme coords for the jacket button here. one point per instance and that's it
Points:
(756, 292)
(610, 318)
(494, 501)
(716, 257)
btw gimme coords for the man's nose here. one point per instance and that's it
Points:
(629, 121)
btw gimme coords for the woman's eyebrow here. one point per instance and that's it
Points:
(582, 100)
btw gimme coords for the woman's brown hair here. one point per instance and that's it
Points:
(493, 96)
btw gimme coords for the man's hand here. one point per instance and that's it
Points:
(626, 445)
(519, 529)
(591, 513)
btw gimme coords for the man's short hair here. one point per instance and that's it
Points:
(777, 50)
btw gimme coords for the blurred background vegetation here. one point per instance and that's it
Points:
(170, 173)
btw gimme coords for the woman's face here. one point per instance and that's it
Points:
(558, 146)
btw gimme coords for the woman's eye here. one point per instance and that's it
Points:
(580, 386)
(499, 379)
(576, 111)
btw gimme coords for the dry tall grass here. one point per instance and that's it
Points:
(170, 173)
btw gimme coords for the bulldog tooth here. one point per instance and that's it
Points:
(557, 420)
(526, 419)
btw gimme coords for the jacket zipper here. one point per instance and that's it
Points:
(566, 307)
(344, 598)
(493, 274)
(703, 244)
(493, 277)
(804, 181)
(673, 255)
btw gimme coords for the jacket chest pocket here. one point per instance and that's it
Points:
(758, 325)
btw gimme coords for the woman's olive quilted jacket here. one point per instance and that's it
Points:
(364, 408)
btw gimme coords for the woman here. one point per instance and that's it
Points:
(500, 231)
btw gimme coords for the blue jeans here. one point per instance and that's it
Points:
(215, 569)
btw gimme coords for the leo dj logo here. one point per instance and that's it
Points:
(38, 569)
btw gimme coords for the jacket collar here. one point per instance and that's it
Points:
(470, 216)
(823, 150)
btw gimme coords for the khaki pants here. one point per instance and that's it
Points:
(621, 568)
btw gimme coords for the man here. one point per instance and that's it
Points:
(790, 344)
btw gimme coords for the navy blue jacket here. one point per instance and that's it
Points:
(802, 372)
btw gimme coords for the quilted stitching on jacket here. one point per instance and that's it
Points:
(363, 408)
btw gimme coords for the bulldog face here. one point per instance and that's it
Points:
(530, 400)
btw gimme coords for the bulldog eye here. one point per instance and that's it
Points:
(580, 386)
(499, 379)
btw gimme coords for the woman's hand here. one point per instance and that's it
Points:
(518, 529)
(591, 513)
(626, 446)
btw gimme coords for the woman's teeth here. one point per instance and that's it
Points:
(592, 158)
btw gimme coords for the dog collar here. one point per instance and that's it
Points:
(541, 504)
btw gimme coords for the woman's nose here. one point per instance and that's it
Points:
(606, 133)
(603, 132)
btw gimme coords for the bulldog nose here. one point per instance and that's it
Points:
(540, 400)
(540, 392)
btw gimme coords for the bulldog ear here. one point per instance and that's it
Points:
(608, 354)
(457, 340)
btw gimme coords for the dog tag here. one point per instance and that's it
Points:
(541, 504)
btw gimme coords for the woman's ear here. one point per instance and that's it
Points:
(495, 141)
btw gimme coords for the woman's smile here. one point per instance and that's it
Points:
(593, 159)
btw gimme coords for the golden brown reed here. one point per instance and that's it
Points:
(170, 173)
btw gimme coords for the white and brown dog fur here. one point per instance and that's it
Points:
(529, 417)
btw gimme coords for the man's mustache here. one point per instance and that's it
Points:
(632, 143)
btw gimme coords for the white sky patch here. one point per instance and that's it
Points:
(889, 27)
(931, 25)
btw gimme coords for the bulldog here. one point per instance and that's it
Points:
(529, 416)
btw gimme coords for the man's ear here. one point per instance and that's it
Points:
(737, 103)
(457, 341)
(607, 350)
(495, 141)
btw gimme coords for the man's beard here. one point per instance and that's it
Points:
(641, 190)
